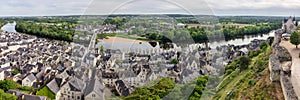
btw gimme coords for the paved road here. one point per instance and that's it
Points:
(295, 64)
(91, 45)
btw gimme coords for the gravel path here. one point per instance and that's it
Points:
(296, 63)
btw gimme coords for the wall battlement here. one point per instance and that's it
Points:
(277, 61)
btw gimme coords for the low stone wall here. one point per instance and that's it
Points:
(287, 88)
(280, 55)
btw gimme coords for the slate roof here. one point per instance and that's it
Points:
(55, 57)
(34, 97)
(76, 84)
(186, 72)
(94, 85)
(126, 74)
(16, 93)
(54, 85)
(1, 70)
(31, 77)
(124, 91)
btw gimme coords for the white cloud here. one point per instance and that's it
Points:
(212, 7)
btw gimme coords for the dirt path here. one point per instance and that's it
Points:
(295, 70)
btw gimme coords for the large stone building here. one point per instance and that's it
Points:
(289, 25)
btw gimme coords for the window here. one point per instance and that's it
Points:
(93, 95)
(78, 97)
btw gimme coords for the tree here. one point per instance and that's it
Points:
(243, 62)
(264, 45)
(295, 39)
(102, 48)
(175, 61)
(155, 92)
(45, 91)
(15, 72)
(6, 96)
(7, 84)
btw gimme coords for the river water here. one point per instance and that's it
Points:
(241, 41)
(9, 27)
(119, 44)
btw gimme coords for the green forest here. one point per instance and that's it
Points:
(201, 34)
(45, 31)
(62, 28)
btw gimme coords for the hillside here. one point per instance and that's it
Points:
(252, 83)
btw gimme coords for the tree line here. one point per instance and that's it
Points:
(233, 32)
(45, 31)
(201, 34)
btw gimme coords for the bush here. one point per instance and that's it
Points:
(264, 46)
(15, 72)
(175, 61)
(8, 84)
(251, 82)
(254, 53)
(229, 71)
(230, 67)
(6, 96)
(26, 88)
(45, 91)
(243, 62)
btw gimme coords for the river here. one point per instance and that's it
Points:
(9, 27)
(121, 44)
(241, 41)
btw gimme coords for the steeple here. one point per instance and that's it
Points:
(285, 20)
(294, 18)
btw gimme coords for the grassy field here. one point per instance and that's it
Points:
(101, 36)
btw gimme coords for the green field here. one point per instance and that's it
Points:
(101, 36)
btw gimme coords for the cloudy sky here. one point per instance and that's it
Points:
(104, 7)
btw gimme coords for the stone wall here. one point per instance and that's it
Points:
(274, 67)
(276, 64)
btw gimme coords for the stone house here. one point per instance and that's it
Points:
(73, 89)
(29, 80)
(94, 90)
(2, 74)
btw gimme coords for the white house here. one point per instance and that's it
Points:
(2, 75)
(29, 80)
(73, 89)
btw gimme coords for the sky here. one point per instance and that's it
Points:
(106, 7)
